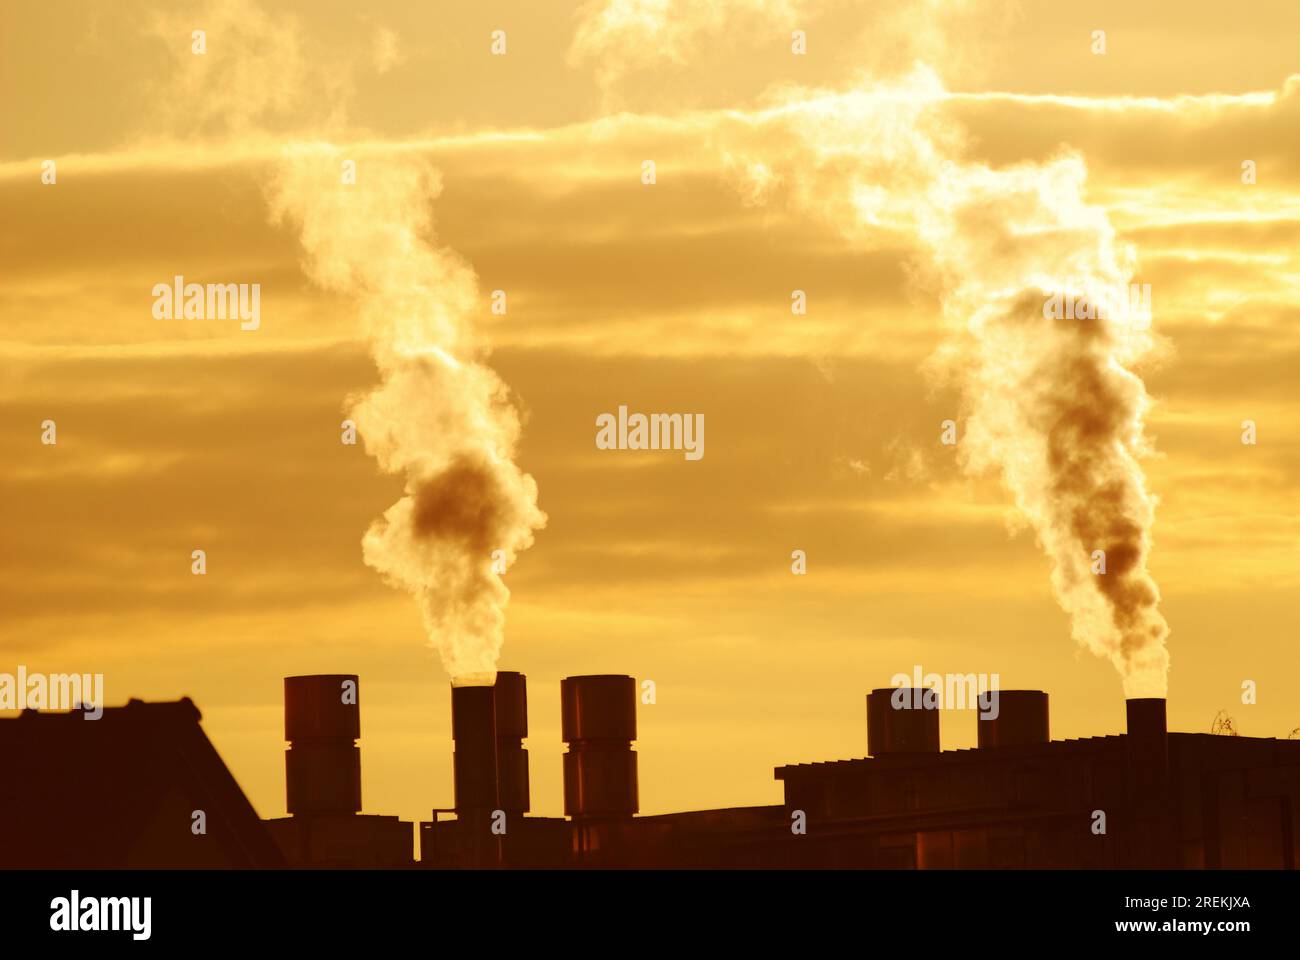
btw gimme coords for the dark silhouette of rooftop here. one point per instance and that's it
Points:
(122, 791)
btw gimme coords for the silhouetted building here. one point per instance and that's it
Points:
(124, 790)
(1146, 798)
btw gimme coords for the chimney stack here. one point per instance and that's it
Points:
(1012, 718)
(322, 722)
(598, 722)
(474, 763)
(1148, 741)
(1149, 839)
(902, 720)
(511, 696)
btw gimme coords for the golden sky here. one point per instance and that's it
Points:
(822, 429)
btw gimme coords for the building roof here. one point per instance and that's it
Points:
(897, 761)
(893, 761)
(122, 791)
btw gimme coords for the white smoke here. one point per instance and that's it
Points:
(1051, 405)
(439, 417)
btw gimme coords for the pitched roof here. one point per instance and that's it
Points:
(121, 791)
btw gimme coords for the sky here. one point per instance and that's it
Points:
(774, 172)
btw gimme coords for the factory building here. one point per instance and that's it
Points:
(1145, 797)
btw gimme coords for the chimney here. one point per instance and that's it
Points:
(902, 720)
(511, 696)
(474, 763)
(1012, 718)
(1148, 838)
(1148, 742)
(598, 722)
(322, 722)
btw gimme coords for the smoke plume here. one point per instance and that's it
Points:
(1052, 405)
(439, 417)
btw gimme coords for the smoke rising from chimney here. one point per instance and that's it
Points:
(439, 417)
(1052, 406)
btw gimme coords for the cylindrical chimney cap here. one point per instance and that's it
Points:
(902, 720)
(598, 707)
(1012, 718)
(512, 704)
(322, 706)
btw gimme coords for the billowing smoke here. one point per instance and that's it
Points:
(1045, 336)
(439, 417)
(1042, 340)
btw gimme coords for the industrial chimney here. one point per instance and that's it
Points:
(474, 763)
(902, 720)
(511, 698)
(598, 722)
(322, 722)
(1147, 827)
(1012, 718)
(1148, 742)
